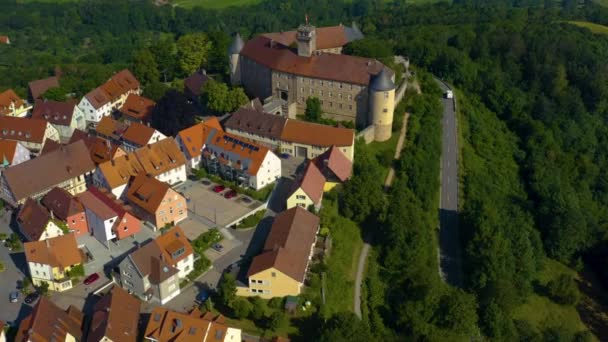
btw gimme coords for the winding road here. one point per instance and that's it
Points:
(450, 254)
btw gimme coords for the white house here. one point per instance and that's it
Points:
(192, 140)
(64, 116)
(138, 135)
(103, 100)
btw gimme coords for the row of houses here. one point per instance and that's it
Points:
(116, 316)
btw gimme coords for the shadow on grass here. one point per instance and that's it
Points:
(593, 307)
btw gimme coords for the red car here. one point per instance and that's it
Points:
(91, 279)
(219, 188)
(230, 194)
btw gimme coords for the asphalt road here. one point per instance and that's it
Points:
(450, 254)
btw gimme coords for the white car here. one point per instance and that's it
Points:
(449, 94)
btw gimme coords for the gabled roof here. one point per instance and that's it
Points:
(160, 157)
(39, 87)
(58, 113)
(167, 325)
(110, 127)
(22, 129)
(334, 161)
(58, 166)
(102, 203)
(194, 137)
(316, 134)
(287, 247)
(327, 66)
(230, 148)
(7, 150)
(138, 107)
(4, 40)
(50, 145)
(118, 170)
(311, 182)
(61, 251)
(33, 219)
(116, 317)
(149, 262)
(61, 203)
(118, 85)
(48, 322)
(171, 243)
(147, 192)
(328, 37)
(258, 123)
(195, 82)
(138, 134)
(7, 98)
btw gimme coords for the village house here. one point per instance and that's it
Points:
(36, 222)
(64, 116)
(155, 202)
(66, 207)
(153, 271)
(280, 270)
(137, 109)
(39, 87)
(193, 85)
(163, 160)
(130, 136)
(47, 323)
(12, 153)
(101, 150)
(307, 189)
(115, 317)
(191, 141)
(335, 167)
(294, 137)
(69, 167)
(168, 325)
(109, 219)
(5, 40)
(110, 96)
(31, 133)
(50, 261)
(12, 105)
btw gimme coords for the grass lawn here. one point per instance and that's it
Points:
(595, 28)
(542, 312)
(385, 152)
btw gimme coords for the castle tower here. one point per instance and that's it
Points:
(382, 105)
(307, 39)
(233, 58)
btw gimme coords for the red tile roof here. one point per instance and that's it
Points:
(194, 137)
(138, 134)
(241, 152)
(172, 241)
(316, 134)
(58, 113)
(327, 37)
(22, 129)
(147, 192)
(39, 87)
(167, 325)
(7, 98)
(62, 203)
(61, 251)
(48, 322)
(195, 82)
(328, 66)
(118, 85)
(116, 317)
(334, 161)
(312, 182)
(4, 40)
(32, 219)
(287, 247)
(138, 107)
(7, 150)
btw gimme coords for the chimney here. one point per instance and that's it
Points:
(69, 169)
(52, 215)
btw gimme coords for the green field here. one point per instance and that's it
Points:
(595, 28)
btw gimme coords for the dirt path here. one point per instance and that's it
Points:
(365, 250)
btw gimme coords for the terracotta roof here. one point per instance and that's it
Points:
(312, 182)
(33, 219)
(102, 203)
(48, 322)
(258, 123)
(147, 192)
(194, 137)
(336, 162)
(118, 170)
(61, 251)
(167, 325)
(118, 85)
(81, 135)
(50, 146)
(7, 98)
(171, 242)
(103, 150)
(138, 134)
(287, 247)
(195, 82)
(327, 37)
(22, 129)
(7, 150)
(61, 203)
(116, 317)
(138, 107)
(149, 263)
(58, 166)
(4, 40)
(39, 87)
(240, 152)
(110, 127)
(58, 113)
(328, 66)
(316, 134)
(160, 157)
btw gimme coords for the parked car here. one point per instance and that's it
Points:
(285, 155)
(230, 194)
(219, 188)
(91, 279)
(14, 296)
(218, 247)
(206, 182)
(202, 296)
(32, 297)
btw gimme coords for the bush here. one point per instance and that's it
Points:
(276, 303)
(253, 220)
(258, 308)
(76, 271)
(564, 290)
(14, 243)
(277, 321)
(206, 240)
(200, 266)
(241, 308)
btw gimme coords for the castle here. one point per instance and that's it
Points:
(289, 67)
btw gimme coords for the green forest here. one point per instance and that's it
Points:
(532, 90)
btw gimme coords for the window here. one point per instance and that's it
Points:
(340, 105)
(350, 97)
(386, 94)
(300, 197)
(125, 228)
(330, 94)
(385, 110)
(274, 274)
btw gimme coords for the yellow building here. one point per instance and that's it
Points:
(280, 270)
(50, 260)
(307, 189)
